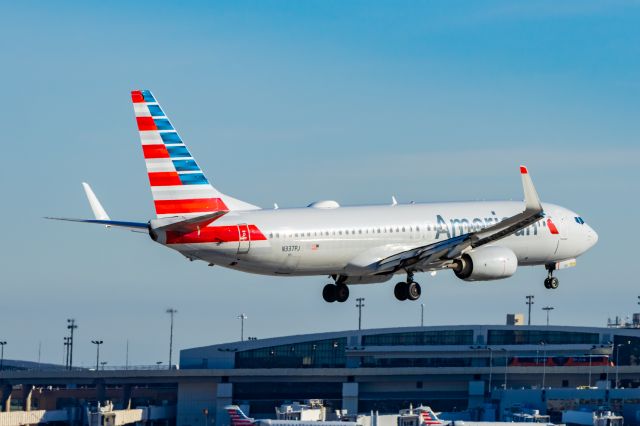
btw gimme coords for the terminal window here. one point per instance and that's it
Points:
(418, 338)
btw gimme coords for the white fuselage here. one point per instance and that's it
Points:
(347, 240)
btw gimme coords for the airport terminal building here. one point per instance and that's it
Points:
(486, 368)
(447, 367)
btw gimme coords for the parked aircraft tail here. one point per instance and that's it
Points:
(238, 418)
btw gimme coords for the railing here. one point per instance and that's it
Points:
(148, 367)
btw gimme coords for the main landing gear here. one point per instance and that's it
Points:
(551, 282)
(409, 290)
(335, 293)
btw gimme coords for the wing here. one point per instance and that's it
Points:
(437, 254)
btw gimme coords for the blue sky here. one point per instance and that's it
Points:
(292, 102)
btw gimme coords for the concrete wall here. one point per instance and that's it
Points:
(193, 398)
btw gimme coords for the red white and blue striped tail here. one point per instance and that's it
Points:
(238, 418)
(178, 185)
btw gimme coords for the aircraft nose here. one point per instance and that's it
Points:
(592, 236)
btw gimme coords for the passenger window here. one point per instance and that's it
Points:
(270, 235)
(417, 228)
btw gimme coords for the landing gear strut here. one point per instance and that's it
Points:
(551, 282)
(409, 290)
(335, 293)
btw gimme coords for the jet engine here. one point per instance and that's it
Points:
(486, 263)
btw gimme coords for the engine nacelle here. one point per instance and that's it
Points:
(486, 263)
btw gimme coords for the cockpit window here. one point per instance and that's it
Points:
(579, 220)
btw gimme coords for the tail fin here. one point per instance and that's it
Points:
(238, 418)
(178, 185)
(429, 418)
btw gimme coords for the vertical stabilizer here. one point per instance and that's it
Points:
(178, 185)
(238, 418)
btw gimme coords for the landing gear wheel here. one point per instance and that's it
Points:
(401, 291)
(329, 293)
(413, 291)
(551, 282)
(342, 293)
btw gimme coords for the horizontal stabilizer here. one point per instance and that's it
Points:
(132, 226)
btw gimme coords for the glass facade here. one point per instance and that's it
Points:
(370, 361)
(318, 354)
(418, 338)
(535, 337)
(626, 350)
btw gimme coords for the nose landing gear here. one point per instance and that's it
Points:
(409, 290)
(551, 282)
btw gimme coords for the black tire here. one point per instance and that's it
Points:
(401, 291)
(554, 283)
(342, 293)
(413, 291)
(547, 283)
(329, 293)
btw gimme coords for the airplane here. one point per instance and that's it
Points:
(239, 418)
(478, 241)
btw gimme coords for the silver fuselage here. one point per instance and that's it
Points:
(347, 240)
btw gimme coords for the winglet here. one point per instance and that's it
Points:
(531, 199)
(96, 207)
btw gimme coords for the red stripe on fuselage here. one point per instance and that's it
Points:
(155, 151)
(214, 234)
(164, 179)
(146, 123)
(190, 205)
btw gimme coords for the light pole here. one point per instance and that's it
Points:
(71, 325)
(360, 305)
(590, 356)
(544, 363)
(103, 363)
(422, 315)
(548, 309)
(2, 343)
(530, 302)
(171, 313)
(242, 317)
(67, 343)
(490, 366)
(97, 343)
(506, 366)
